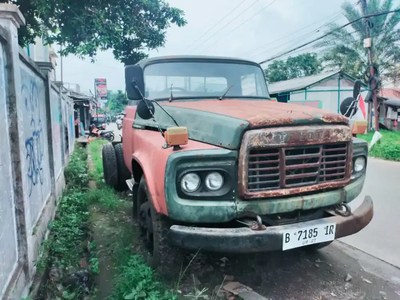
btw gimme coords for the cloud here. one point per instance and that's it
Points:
(247, 34)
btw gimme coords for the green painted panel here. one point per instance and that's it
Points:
(225, 210)
(312, 103)
(210, 128)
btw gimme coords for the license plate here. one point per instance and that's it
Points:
(308, 235)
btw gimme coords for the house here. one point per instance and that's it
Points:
(83, 106)
(389, 106)
(325, 90)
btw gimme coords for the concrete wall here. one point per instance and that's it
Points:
(34, 143)
(8, 234)
(56, 119)
(35, 148)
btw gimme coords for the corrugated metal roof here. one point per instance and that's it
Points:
(390, 93)
(299, 83)
(393, 102)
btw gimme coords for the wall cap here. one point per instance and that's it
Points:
(11, 11)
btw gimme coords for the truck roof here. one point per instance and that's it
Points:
(145, 62)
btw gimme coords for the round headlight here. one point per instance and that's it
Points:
(214, 181)
(190, 182)
(359, 164)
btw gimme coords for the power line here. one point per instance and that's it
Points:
(268, 43)
(330, 32)
(301, 37)
(231, 21)
(244, 22)
(216, 24)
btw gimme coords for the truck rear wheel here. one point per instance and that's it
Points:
(123, 172)
(164, 257)
(110, 167)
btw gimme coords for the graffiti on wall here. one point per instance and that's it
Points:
(34, 144)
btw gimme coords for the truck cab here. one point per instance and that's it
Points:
(252, 175)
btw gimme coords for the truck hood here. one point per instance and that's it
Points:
(223, 122)
(265, 113)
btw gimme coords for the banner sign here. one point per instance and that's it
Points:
(100, 87)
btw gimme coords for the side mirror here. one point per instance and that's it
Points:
(135, 73)
(348, 107)
(145, 109)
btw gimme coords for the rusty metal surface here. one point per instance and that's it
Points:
(356, 221)
(264, 113)
(246, 240)
(283, 138)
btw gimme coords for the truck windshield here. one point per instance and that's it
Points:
(204, 80)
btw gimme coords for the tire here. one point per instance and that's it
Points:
(110, 167)
(164, 257)
(111, 137)
(135, 191)
(123, 172)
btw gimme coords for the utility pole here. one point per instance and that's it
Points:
(61, 60)
(372, 82)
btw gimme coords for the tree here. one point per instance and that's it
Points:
(128, 27)
(345, 47)
(117, 101)
(294, 67)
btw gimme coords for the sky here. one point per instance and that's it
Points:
(250, 29)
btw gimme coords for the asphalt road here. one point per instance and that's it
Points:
(381, 238)
(117, 133)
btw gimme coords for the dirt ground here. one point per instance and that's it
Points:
(285, 275)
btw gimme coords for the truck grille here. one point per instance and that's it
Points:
(296, 166)
(285, 161)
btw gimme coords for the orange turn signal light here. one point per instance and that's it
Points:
(359, 127)
(176, 136)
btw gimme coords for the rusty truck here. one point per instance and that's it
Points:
(213, 164)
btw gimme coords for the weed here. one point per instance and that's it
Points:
(136, 281)
(133, 279)
(76, 171)
(94, 261)
(43, 259)
(97, 172)
(65, 247)
(105, 196)
(388, 147)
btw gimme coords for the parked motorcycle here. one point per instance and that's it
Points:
(95, 132)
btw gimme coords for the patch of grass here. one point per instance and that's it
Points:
(136, 281)
(76, 173)
(62, 253)
(97, 172)
(94, 260)
(133, 279)
(69, 229)
(105, 196)
(388, 147)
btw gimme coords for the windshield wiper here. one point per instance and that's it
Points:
(226, 92)
(172, 95)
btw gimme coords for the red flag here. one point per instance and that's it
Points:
(361, 103)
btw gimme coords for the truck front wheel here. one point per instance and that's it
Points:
(164, 257)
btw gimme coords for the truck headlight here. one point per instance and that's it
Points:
(190, 182)
(359, 164)
(214, 181)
